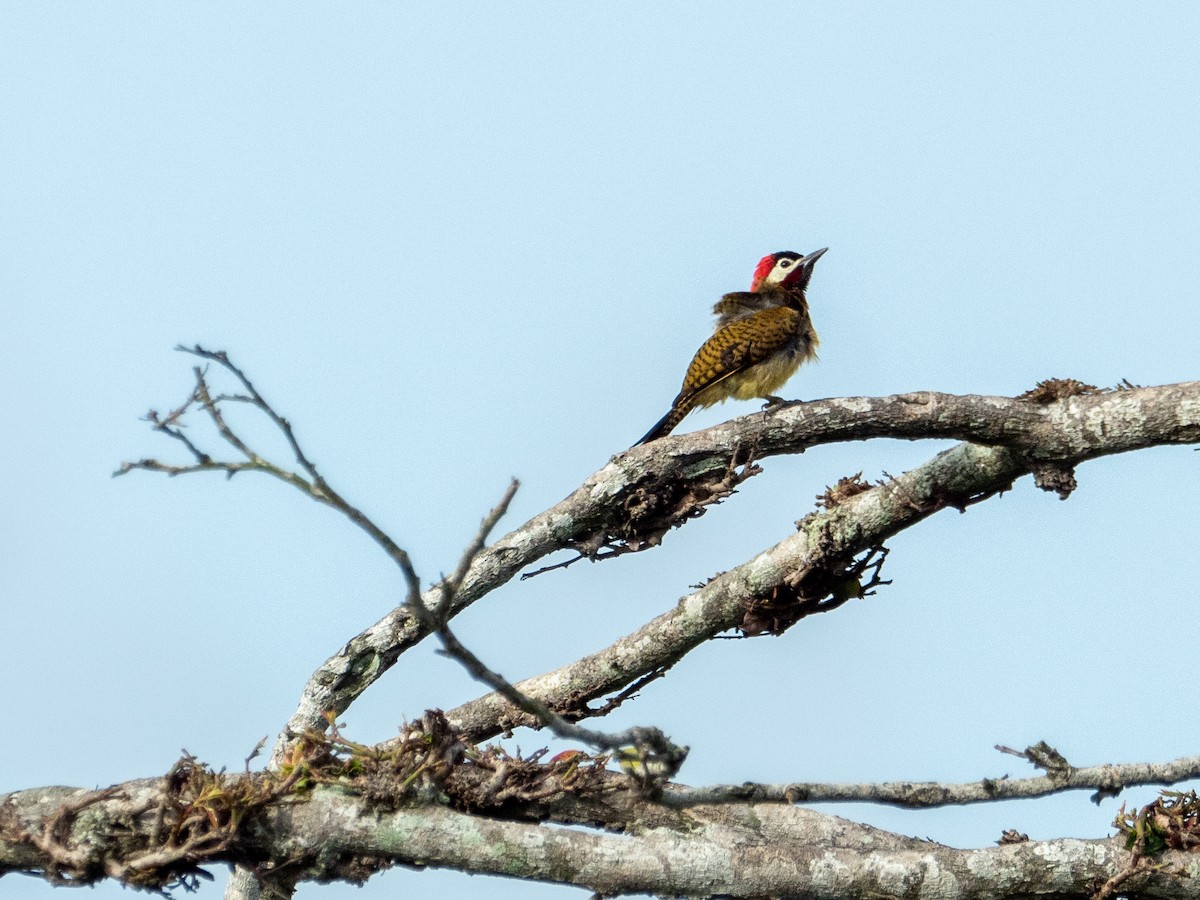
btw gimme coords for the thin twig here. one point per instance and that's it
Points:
(652, 739)
(154, 465)
(647, 741)
(315, 486)
(450, 586)
(615, 702)
(214, 412)
(172, 427)
(221, 357)
(1105, 780)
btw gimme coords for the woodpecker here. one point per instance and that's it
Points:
(762, 337)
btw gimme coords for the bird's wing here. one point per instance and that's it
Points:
(733, 348)
(736, 347)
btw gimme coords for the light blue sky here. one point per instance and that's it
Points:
(469, 241)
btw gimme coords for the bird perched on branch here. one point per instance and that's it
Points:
(762, 337)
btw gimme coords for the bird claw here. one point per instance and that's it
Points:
(773, 401)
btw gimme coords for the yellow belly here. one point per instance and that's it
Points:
(761, 380)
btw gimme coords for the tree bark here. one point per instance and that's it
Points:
(491, 815)
(737, 850)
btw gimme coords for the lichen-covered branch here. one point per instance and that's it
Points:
(642, 493)
(627, 506)
(820, 564)
(746, 850)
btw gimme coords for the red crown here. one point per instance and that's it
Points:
(765, 265)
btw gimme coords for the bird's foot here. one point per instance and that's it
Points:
(773, 401)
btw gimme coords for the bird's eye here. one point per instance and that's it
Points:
(785, 263)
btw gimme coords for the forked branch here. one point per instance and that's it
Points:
(649, 743)
(314, 485)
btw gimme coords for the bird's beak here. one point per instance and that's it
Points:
(813, 257)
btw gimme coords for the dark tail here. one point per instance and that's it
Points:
(665, 425)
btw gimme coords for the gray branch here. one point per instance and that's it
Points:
(629, 505)
(1080, 428)
(1106, 781)
(1043, 439)
(740, 851)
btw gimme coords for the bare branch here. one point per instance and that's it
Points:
(172, 426)
(618, 503)
(956, 479)
(314, 486)
(252, 396)
(1061, 430)
(649, 743)
(660, 757)
(214, 413)
(449, 586)
(819, 556)
(626, 507)
(617, 700)
(1106, 780)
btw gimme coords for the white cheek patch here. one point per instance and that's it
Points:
(782, 271)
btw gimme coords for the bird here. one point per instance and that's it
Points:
(762, 337)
